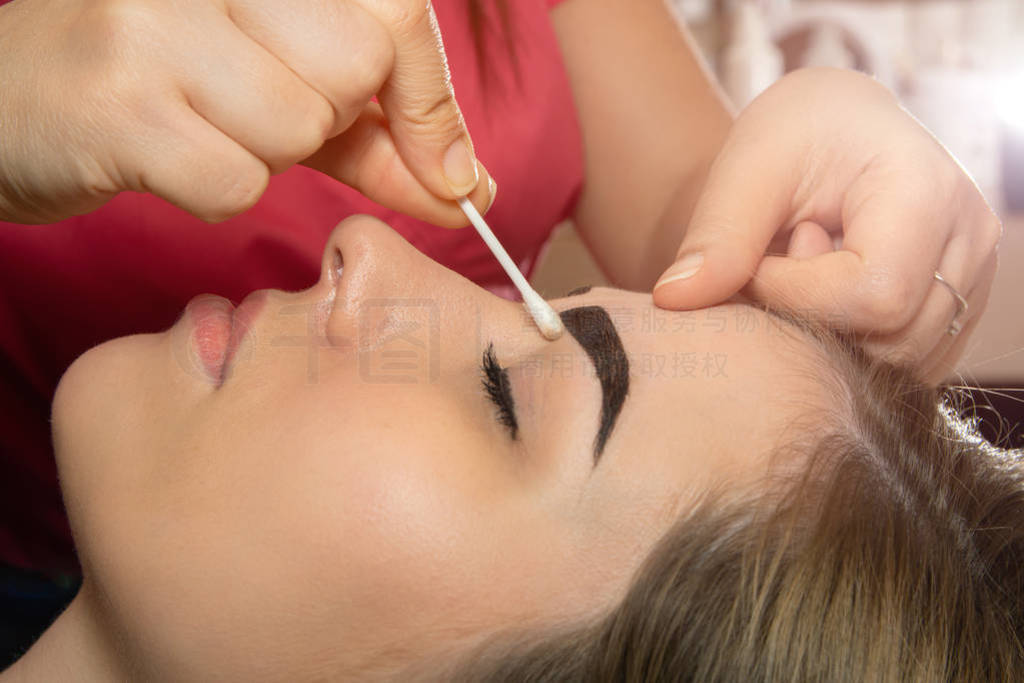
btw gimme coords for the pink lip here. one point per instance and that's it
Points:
(218, 329)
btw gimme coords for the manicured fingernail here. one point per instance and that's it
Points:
(683, 268)
(460, 168)
(493, 188)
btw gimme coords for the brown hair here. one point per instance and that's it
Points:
(896, 554)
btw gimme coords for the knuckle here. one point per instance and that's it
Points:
(361, 72)
(316, 126)
(241, 190)
(322, 121)
(374, 68)
(121, 38)
(308, 128)
(991, 232)
(361, 59)
(121, 26)
(976, 216)
(405, 14)
(950, 182)
(428, 113)
(884, 302)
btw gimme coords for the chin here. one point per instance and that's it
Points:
(79, 395)
(96, 412)
(109, 379)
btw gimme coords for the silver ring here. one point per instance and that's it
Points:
(955, 326)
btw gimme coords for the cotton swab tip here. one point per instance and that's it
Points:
(549, 322)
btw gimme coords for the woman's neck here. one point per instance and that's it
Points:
(74, 648)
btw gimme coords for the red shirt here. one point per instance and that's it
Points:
(132, 265)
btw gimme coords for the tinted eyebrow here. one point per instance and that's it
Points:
(593, 329)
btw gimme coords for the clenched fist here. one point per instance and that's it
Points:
(200, 101)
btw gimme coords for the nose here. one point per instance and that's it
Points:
(383, 285)
(366, 259)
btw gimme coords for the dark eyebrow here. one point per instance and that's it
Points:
(594, 331)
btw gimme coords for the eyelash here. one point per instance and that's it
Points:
(495, 381)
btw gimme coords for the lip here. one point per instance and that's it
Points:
(218, 329)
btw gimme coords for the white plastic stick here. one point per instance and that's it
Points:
(547, 319)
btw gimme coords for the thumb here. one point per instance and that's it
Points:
(419, 102)
(364, 157)
(733, 222)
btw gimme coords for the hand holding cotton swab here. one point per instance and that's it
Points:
(547, 319)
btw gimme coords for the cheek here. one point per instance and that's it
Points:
(320, 517)
(368, 516)
(428, 529)
(412, 516)
(428, 554)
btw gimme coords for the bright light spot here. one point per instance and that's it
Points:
(1008, 99)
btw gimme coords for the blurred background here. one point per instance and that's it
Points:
(957, 65)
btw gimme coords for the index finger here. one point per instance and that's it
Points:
(419, 101)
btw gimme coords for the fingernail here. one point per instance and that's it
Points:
(460, 168)
(683, 268)
(493, 188)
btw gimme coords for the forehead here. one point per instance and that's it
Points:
(660, 342)
(711, 394)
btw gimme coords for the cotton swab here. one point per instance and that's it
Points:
(547, 319)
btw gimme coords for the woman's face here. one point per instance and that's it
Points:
(345, 487)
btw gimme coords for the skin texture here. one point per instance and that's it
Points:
(330, 516)
(200, 101)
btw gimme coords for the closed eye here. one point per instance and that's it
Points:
(496, 384)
